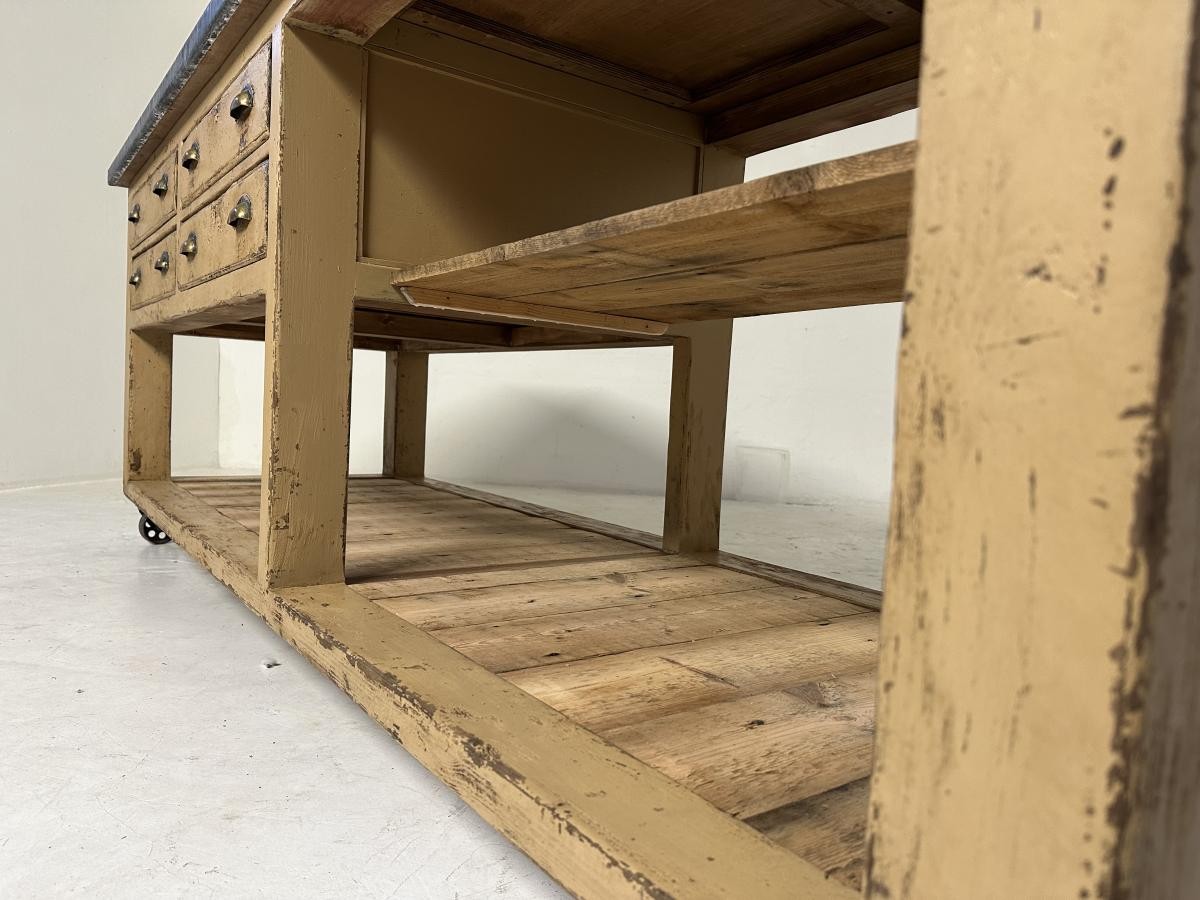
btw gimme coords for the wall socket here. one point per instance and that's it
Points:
(761, 473)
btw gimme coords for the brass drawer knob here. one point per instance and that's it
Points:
(135, 214)
(240, 214)
(241, 105)
(188, 248)
(160, 186)
(191, 156)
(163, 262)
(136, 278)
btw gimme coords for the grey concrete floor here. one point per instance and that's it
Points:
(150, 746)
(158, 740)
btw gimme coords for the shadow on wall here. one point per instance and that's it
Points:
(556, 436)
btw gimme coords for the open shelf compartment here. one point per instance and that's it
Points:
(833, 234)
(754, 698)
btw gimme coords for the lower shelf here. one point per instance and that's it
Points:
(752, 698)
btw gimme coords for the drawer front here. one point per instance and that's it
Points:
(152, 273)
(234, 126)
(152, 200)
(228, 233)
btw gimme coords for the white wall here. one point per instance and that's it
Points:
(75, 81)
(810, 396)
(810, 406)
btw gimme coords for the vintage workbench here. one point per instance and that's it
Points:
(649, 716)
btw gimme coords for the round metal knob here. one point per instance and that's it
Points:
(241, 212)
(136, 278)
(191, 156)
(188, 247)
(160, 186)
(241, 105)
(163, 262)
(135, 214)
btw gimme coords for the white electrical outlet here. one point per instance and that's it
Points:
(761, 473)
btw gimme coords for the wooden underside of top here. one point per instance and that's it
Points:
(761, 73)
(830, 235)
(748, 695)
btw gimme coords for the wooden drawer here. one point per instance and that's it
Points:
(228, 233)
(152, 200)
(229, 130)
(152, 273)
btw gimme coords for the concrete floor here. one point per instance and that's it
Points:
(159, 740)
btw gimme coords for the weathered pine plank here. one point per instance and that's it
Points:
(829, 830)
(527, 576)
(499, 603)
(826, 235)
(642, 685)
(516, 644)
(1039, 722)
(752, 754)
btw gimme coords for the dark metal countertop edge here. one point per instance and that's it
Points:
(217, 15)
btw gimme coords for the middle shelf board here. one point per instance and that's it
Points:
(834, 234)
(398, 329)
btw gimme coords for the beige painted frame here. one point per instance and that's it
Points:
(1038, 717)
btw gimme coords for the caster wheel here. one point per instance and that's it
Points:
(152, 532)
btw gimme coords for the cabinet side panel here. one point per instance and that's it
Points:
(453, 166)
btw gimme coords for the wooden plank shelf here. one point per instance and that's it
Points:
(755, 696)
(833, 234)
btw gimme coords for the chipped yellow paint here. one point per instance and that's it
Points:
(1035, 420)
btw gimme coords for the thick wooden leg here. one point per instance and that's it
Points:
(405, 397)
(696, 443)
(147, 406)
(1039, 722)
(306, 419)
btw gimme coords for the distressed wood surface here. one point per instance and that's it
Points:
(405, 411)
(311, 246)
(828, 830)
(444, 301)
(828, 235)
(755, 695)
(829, 63)
(153, 273)
(715, 58)
(1038, 716)
(351, 20)
(696, 437)
(599, 820)
(220, 140)
(218, 247)
(152, 200)
(148, 359)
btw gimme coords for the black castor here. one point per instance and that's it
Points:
(152, 532)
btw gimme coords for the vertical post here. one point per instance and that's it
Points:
(405, 399)
(699, 393)
(1039, 720)
(696, 442)
(147, 406)
(311, 240)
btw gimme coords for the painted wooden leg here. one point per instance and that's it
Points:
(696, 443)
(1039, 721)
(406, 394)
(306, 421)
(148, 406)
